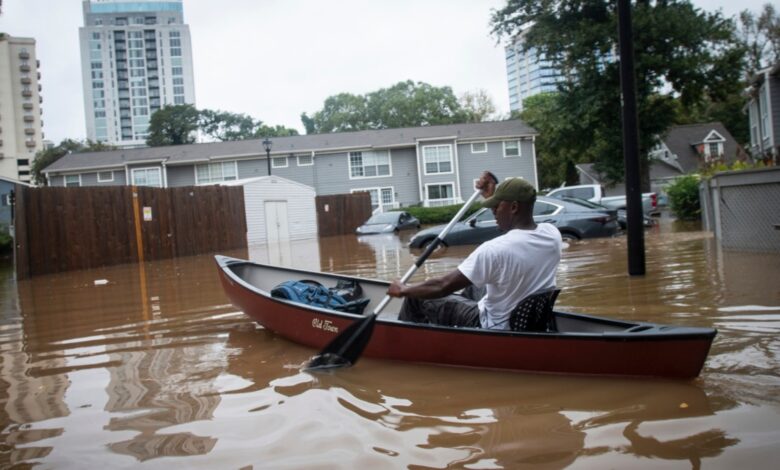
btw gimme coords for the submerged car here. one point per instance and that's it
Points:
(622, 218)
(574, 220)
(388, 222)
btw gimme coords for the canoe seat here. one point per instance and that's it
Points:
(535, 313)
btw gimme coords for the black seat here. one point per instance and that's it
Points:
(535, 313)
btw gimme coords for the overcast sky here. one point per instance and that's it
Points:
(274, 59)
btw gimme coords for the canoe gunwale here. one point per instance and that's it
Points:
(644, 331)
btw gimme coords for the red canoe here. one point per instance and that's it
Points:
(583, 344)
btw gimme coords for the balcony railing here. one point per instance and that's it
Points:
(442, 202)
(29, 131)
(26, 80)
(24, 55)
(27, 106)
(24, 68)
(26, 93)
(30, 143)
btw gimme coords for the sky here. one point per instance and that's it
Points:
(275, 59)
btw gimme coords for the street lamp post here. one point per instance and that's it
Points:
(267, 146)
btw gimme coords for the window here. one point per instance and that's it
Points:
(543, 208)
(279, 162)
(763, 108)
(386, 195)
(215, 172)
(437, 159)
(369, 164)
(512, 148)
(72, 180)
(146, 177)
(440, 194)
(105, 176)
(753, 124)
(305, 160)
(714, 150)
(22, 162)
(479, 147)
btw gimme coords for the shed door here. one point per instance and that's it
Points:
(276, 225)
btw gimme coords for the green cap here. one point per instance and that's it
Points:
(513, 189)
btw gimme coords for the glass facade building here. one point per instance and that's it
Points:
(528, 73)
(136, 57)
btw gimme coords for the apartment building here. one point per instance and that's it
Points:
(21, 134)
(136, 57)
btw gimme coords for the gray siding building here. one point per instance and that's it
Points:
(432, 166)
(763, 109)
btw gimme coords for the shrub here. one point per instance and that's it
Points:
(438, 215)
(684, 197)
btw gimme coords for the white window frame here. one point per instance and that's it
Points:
(479, 151)
(763, 110)
(449, 201)
(215, 180)
(519, 151)
(438, 162)
(754, 124)
(298, 160)
(105, 180)
(133, 171)
(276, 165)
(375, 153)
(65, 180)
(380, 204)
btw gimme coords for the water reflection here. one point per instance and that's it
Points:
(154, 362)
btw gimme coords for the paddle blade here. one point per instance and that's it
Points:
(345, 349)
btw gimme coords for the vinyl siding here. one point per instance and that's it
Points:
(774, 97)
(301, 208)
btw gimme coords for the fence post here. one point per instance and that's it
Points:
(21, 248)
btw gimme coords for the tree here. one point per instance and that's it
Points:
(46, 157)
(405, 104)
(681, 54)
(477, 105)
(224, 126)
(555, 158)
(760, 36)
(340, 113)
(173, 125)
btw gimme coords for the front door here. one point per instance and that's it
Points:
(276, 227)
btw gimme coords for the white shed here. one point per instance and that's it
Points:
(277, 209)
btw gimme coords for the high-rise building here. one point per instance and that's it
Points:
(528, 72)
(136, 57)
(20, 107)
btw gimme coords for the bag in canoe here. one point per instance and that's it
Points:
(346, 296)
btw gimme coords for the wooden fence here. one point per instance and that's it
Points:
(340, 214)
(62, 229)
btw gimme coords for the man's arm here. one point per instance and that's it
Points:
(432, 288)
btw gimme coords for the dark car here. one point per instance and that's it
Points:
(575, 221)
(387, 222)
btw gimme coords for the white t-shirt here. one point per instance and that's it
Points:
(511, 267)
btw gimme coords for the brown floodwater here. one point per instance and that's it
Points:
(149, 366)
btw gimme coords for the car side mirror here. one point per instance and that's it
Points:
(473, 223)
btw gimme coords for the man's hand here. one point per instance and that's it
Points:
(395, 289)
(487, 184)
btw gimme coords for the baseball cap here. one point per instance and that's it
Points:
(513, 189)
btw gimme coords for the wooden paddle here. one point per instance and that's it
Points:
(346, 348)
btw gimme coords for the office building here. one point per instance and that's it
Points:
(528, 73)
(20, 107)
(136, 57)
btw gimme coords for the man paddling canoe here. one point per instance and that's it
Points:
(507, 269)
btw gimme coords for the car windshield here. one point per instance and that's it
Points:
(383, 218)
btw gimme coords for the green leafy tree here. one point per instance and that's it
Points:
(173, 125)
(405, 104)
(48, 156)
(477, 105)
(681, 53)
(555, 158)
(225, 126)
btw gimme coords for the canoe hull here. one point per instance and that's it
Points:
(644, 353)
